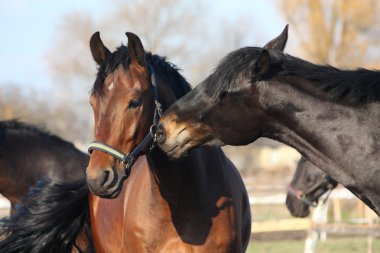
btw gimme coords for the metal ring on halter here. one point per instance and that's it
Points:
(152, 132)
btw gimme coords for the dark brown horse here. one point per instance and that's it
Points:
(330, 116)
(308, 184)
(195, 204)
(27, 154)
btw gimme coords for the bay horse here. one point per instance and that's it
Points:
(195, 204)
(27, 154)
(331, 116)
(308, 184)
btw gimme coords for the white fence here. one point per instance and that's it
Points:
(365, 223)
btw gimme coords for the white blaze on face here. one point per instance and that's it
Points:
(110, 87)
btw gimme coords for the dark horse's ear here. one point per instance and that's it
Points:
(98, 50)
(262, 65)
(135, 49)
(279, 42)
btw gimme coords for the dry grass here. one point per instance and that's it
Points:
(336, 245)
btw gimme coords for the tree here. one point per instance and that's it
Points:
(25, 104)
(172, 28)
(339, 32)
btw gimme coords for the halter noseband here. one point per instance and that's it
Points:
(327, 183)
(129, 159)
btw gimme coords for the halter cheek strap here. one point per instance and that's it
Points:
(327, 183)
(129, 159)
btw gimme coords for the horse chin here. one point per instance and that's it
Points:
(113, 194)
(108, 193)
(300, 210)
(177, 151)
(296, 207)
(301, 214)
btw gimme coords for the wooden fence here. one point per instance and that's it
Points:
(332, 218)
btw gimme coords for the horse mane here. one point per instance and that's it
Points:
(17, 125)
(225, 76)
(346, 86)
(26, 128)
(164, 69)
(49, 219)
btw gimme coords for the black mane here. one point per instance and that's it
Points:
(21, 126)
(25, 128)
(226, 75)
(49, 219)
(166, 70)
(348, 86)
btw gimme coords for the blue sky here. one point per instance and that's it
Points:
(28, 27)
(27, 30)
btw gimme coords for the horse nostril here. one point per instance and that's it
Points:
(160, 134)
(108, 177)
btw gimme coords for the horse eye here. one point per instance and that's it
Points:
(134, 103)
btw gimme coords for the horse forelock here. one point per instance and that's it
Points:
(163, 68)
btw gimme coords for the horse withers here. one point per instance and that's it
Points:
(330, 116)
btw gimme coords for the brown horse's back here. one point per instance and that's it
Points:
(204, 208)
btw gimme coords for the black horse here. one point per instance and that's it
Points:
(28, 153)
(309, 183)
(330, 116)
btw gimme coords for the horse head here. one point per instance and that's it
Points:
(213, 113)
(123, 107)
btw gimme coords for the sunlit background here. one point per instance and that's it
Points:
(46, 73)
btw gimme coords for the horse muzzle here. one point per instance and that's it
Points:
(105, 182)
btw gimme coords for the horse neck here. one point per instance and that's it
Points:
(44, 154)
(170, 177)
(325, 132)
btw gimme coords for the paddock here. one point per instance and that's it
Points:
(349, 222)
(346, 222)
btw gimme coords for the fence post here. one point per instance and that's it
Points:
(319, 217)
(337, 210)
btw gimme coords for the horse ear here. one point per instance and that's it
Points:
(98, 50)
(135, 49)
(262, 64)
(279, 42)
